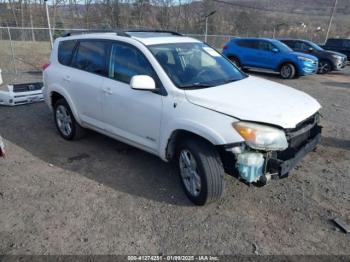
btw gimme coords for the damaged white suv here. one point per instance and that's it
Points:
(178, 98)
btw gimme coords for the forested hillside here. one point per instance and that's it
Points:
(295, 18)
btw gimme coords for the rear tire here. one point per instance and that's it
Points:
(287, 71)
(235, 61)
(65, 122)
(201, 171)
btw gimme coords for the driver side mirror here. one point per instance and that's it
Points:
(143, 82)
(310, 50)
(275, 50)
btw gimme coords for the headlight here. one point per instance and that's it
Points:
(261, 137)
(305, 59)
(338, 57)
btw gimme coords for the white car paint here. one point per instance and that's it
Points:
(147, 120)
(258, 100)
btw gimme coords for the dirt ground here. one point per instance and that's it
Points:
(100, 196)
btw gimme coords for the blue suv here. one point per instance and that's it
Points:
(270, 54)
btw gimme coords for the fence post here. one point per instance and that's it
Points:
(12, 50)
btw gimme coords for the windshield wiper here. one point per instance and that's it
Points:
(230, 81)
(196, 85)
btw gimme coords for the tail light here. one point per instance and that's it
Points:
(45, 66)
(224, 47)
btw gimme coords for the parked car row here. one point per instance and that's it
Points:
(289, 57)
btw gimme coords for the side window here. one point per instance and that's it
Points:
(65, 51)
(91, 56)
(346, 43)
(301, 46)
(265, 46)
(247, 44)
(291, 44)
(127, 61)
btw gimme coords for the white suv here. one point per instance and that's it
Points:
(178, 98)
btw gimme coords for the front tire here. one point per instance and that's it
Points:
(65, 122)
(201, 171)
(324, 67)
(287, 71)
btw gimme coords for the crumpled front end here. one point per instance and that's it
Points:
(259, 166)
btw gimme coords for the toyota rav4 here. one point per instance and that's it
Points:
(180, 99)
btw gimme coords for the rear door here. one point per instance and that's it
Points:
(134, 115)
(85, 77)
(249, 52)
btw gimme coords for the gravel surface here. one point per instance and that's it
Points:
(100, 196)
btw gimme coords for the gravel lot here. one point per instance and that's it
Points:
(100, 196)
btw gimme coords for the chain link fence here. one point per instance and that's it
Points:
(25, 50)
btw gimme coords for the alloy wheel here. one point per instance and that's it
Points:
(286, 71)
(64, 120)
(323, 67)
(189, 173)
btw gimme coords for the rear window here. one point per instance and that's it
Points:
(334, 42)
(65, 51)
(91, 56)
(247, 43)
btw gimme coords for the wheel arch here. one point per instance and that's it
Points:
(289, 62)
(229, 56)
(177, 135)
(55, 95)
(326, 59)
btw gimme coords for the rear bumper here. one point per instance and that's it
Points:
(283, 166)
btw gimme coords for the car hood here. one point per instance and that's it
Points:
(258, 100)
(334, 53)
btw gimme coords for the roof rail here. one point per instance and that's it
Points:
(151, 31)
(117, 32)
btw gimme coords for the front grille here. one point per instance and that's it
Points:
(17, 88)
(299, 136)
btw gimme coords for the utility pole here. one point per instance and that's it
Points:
(48, 23)
(331, 19)
(206, 25)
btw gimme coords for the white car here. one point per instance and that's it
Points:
(179, 99)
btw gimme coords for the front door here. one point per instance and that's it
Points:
(134, 115)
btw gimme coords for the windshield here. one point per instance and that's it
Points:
(282, 46)
(195, 65)
(314, 46)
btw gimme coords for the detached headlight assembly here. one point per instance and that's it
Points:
(262, 137)
(303, 58)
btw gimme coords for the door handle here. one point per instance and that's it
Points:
(108, 90)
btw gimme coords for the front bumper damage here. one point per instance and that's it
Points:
(281, 164)
(277, 164)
